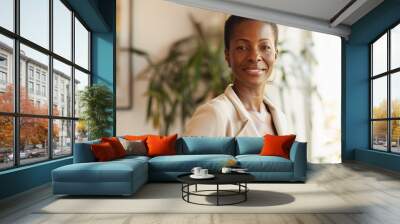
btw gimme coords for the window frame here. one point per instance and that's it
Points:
(388, 74)
(16, 115)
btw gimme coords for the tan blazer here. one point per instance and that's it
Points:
(225, 115)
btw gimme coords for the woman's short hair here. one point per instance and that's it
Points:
(233, 20)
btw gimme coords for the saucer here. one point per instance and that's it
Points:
(208, 176)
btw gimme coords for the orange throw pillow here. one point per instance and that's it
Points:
(103, 151)
(277, 145)
(116, 145)
(136, 137)
(161, 145)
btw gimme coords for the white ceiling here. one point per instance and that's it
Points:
(315, 15)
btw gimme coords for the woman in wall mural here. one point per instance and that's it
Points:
(243, 109)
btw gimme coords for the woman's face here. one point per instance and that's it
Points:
(251, 54)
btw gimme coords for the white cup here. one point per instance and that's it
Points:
(203, 172)
(196, 171)
(226, 170)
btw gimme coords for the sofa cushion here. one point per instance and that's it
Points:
(257, 163)
(161, 145)
(83, 152)
(206, 145)
(249, 145)
(277, 145)
(185, 163)
(103, 152)
(111, 171)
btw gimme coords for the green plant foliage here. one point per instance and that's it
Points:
(96, 102)
(193, 70)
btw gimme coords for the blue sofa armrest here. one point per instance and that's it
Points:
(83, 152)
(298, 155)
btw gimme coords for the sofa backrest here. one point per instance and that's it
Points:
(83, 152)
(205, 145)
(249, 145)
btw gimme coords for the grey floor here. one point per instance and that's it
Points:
(378, 188)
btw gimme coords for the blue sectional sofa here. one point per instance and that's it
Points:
(125, 176)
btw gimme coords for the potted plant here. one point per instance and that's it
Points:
(96, 102)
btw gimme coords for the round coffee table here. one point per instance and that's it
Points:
(238, 179)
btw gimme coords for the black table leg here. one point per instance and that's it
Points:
(217, 194)
(196, 188)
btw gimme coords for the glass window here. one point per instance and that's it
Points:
(62, 72)
(379, 98)
(6, 142)
(395, 95)
(30, 87)
(81, 131)
(33, 140)
(40, 61)
(6, 73)
(7, 14)
(81, 45)
(34, 21)
(379, 135)
(395, 47)
(395, 138)
(34, 80)
(379, 55)
(81, 81)
(62, 29)
(62, 137)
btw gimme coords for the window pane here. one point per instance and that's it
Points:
(35, 21)
(7, 14)
(6, 142)
(81, 45)
(6, 74)
(33, 139)
(379, 55)
(81, 81)
(379, 135)
(81, 131)
(62, 29)
(395, 136)
(379, 98)
(395, 47)
(34, 72)
(62, 138)
(395, 94)
(62, 89)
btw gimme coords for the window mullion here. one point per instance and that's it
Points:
(389, 76)
(73, 82)
(50, 81)
(16, 84)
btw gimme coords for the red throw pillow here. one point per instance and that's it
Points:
(161, 145)
(275, 145)
(103, 151)
(116, 145)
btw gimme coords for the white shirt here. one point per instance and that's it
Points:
(262, 121)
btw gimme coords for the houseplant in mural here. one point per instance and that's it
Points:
(195, 70)
(96, 102)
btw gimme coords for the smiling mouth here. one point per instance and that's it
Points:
(255, 71)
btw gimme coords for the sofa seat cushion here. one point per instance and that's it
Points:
(257, 163)
(112, 171)
(185, 163)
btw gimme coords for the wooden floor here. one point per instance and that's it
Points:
(378, 188)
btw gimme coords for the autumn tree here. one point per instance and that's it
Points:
(33, 131)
